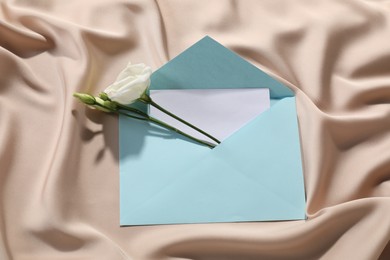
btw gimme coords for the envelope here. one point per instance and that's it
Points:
(253, 175)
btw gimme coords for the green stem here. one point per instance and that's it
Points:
(134, 110)
(135, 117)
(160, 123)
(113, 111)
(148, 100)
(146, 117)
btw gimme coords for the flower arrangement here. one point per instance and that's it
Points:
(131, 86)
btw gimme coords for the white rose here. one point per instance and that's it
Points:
(130, 85)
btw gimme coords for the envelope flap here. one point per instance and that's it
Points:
(208, 64)
(267, 150)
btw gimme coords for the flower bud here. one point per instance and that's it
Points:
(104, 96)
(85, 98)
(110, 105)
(99, 101)
(102, 108)
(106, 106)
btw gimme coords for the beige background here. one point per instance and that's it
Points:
(59, 161)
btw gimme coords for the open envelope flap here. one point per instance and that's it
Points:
(238, 180)
(253, 175)
(208, 64)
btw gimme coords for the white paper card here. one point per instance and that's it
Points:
(219, 112)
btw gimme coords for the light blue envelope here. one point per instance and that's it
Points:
(254, 175)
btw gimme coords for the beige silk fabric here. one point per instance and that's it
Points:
(59, 175)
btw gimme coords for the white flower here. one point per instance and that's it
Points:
(130, 85)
